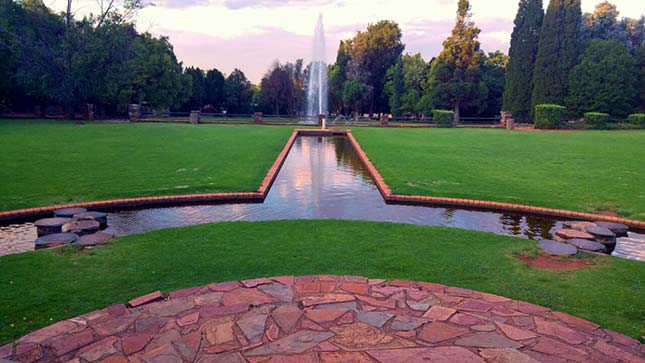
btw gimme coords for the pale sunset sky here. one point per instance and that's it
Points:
(251, 34)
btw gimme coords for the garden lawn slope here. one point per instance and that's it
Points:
(587, 171)
(39, 288)
(56, 162)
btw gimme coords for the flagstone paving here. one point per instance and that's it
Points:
(324, 319)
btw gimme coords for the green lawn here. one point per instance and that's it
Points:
(39, 288)
(586, 171)
(55, 162)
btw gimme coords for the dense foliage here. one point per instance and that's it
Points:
(637, 119)
(443, 118)
(596, 120)
(523, 51)
(548, 116)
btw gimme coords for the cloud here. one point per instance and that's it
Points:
(240, 4)
(179, 4)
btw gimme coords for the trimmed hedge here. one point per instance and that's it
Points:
(596, 120)
(637, 119)
(549, 116)
(443, 118)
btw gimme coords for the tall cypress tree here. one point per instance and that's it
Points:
(524, 48)
(558, 52)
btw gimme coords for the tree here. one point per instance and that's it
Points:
(639, 57)
(355, 95)
(372, 53)
(455, 77)
(494, 76)
(523, 51)
(558, 52)
(337, 75)
(276, 88)
(604, 24)
(395, 87)
(198, 91)
(604, 80)
(239, 92)
(214, 84)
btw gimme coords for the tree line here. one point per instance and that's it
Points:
(588, 62)
(592, 62)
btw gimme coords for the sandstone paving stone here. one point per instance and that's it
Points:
(323, 316)
(64, 344)
(617, 353)
(572, 233)
(115, 325)
(188, 319)
(145, 299)
(224, 286)
(407, 323)
(327, 299)
(373, 318)
(100, 349)
(506, 355)
(255, 282)
(581, 225)
(45, 333)
(208, 298)
(487, 340)
(213, 310)
(286, 316)
(244, 295)
(554, 348)
(252, 325)
(560, 331)
(344, 357)
(28, 352)
(344, 306)
(162, 354)
(117, 310)
(355, 288)
(422, 305)
(483, 327)
(219, 331)
(171, 307)
(514, 332)
(82, 227)
(188, 345)
(624, 340)
(6, 350)
(423, 355)
(135, 342)
(439, 313)
(417, 295)
(359, 337)
(437, 332)
(295, 343)
(222, 358)
(465, 319)
(575, 321)
(278, 291)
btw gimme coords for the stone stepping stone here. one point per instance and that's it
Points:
(582, 226)
(50, 225)
(604, 236)
(619, 229)
(55, 240)
(567, 233)
(81, 228)
(587, 245)
(570, 224)
(69, 212)
(96, 239)
(100, 217)
(557, 248)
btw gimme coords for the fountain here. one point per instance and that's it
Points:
(317, 85)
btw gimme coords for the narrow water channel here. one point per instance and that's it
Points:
(322, 178)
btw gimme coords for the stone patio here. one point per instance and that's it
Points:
(324, 319)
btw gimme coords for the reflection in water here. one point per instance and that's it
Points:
(323, 178)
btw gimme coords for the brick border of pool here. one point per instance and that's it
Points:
(259, 195)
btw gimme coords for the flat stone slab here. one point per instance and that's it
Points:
(81, 228)
(69, 212)
(557, 248)
(572, 233)
(618, 228)
(600, 231)
(373, 324)
(50, 225)
(100, 217)
(95, 239)
(55, 240)
(587, 245)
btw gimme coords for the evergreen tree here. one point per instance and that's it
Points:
(558, 52)
(395, 87)
(604, 80)
(523, 51)
(214, 84)
(455, 77)
(640, 67)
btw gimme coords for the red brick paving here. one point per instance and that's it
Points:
(358, 320)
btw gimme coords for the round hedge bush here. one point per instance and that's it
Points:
(443, 118)
(549, 116)
(637, 119)
(596, 120)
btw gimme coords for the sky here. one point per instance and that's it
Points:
(252, 34)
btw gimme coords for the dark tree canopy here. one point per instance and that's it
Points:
(455, 78)
(523, 51)
(604, 80)
(214, 84)
(239, 92)
(558, 52)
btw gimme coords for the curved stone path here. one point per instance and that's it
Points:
(324, 319)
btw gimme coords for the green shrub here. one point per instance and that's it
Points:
(549, 116)
(443, 118)
(637, 119)
(596, 120)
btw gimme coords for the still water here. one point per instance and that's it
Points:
(323, 178)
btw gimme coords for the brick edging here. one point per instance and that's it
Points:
(267, 182)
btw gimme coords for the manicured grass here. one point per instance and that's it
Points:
(39, 288)
(55, 162)
(586, 171)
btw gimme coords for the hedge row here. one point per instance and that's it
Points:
(549, 116)
(443, 118)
